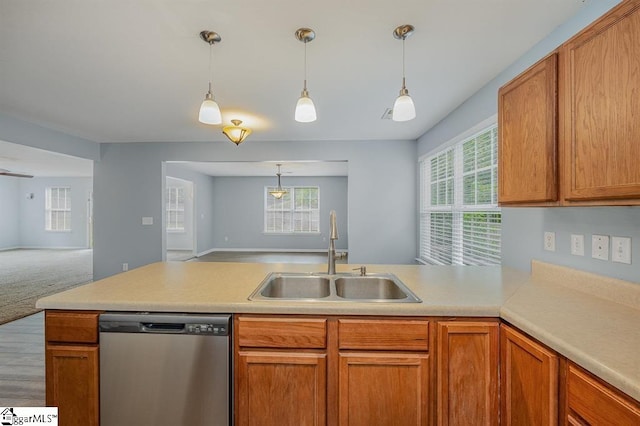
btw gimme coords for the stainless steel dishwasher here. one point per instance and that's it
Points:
(168, 369)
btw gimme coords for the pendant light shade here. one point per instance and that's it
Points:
(403, 108)
(235, 133)
(305, 109)
(209, 109)
(279, 192)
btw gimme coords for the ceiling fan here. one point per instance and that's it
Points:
(5, 172)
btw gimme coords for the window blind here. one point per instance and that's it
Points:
(298, 211)
(460, 221)
(58, 209)
(175, 208)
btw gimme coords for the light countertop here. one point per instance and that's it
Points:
(591, 320)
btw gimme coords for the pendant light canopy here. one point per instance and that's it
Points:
(305, 109)
(279, 192)
(209, 110)
(403, 108)
(235, 133)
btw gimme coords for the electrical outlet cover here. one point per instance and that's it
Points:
(600, 247)
(577, 245)
(621, 250)
(550, 241)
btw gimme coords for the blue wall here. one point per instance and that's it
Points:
(523, 228)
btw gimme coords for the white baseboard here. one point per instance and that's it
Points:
(10, 248)
(273, 250)
(50, 248)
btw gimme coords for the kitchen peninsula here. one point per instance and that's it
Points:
(586, 324)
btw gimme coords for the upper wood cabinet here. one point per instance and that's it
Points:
(601, 108)
(569, 126)
(527, 136)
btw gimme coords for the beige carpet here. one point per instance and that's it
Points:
(29, 274)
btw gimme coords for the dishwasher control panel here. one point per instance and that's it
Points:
(212, 329)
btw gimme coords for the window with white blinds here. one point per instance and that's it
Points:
(297, 212)
(57, 209)
(175, 208)
(460, 221)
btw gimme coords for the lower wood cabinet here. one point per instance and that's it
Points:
(529, 380)
(72, 366)
(281, 388)
(590, 401)
(467, 373)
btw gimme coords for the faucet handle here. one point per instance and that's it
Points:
(362, 269)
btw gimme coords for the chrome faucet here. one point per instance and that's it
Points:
(333, 236)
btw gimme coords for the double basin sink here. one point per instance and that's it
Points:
(318, 287)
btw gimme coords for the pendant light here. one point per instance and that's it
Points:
(279, 192)
(235, 133)
(209, 110)
(403, 108)
(305, 109)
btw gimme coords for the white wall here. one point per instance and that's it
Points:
(9, 212)
(523, 228)
(128, 184)
(239, 213)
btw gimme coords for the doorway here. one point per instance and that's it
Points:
(180, 222)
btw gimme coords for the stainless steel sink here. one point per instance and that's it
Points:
(318, 287)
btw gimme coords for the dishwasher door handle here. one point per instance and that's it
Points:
(162, 327)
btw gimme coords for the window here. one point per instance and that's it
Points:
(58, 209)
(175, 208)
(460, 221)
(297, 212)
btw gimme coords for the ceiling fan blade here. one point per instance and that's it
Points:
(4, 172)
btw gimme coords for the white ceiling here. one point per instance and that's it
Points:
(39, 163)
(123, 71)
(268, 168)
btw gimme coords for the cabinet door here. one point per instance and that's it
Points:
(383, 389)
(527, 136)
(281, 388)
(467, 373)
(72, 383)
(590, 402)
(529, 381)
(601, 109)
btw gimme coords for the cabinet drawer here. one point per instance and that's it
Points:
(403, 335)
(596, 403)
(282, 332)
(72, 326)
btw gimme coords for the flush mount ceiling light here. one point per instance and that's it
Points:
(235, 133)
(209, 110)
(305, 109)
(403, 108)
(278, 193)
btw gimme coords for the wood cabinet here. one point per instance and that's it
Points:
(528, 137)
(467, 373)
(568, 126)
(529, 380)
(72, 366)
(601, 129)
(590, 401)
(384, 372)
(281, 371)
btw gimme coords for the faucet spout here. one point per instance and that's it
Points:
(333, 235)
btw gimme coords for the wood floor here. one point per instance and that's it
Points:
(22, 362)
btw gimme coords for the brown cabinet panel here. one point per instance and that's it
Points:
(529, 381)
(281, 388)
(402, 335)
(591, 402)
(282, 332)
(72, 376)
(467, 374)
(601, 66)
(383, 389)
(72, 326)
(527, 139)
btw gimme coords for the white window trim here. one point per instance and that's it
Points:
(182, 230)
(48, 209)
(487, 122)
(293, 233)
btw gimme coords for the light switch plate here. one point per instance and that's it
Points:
(147, 221)
(600, 247)
(577, 245)
(621, 250)
(550, 241)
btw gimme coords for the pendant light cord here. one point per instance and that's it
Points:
(210, 72)
(403, 76)
(305, 65)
